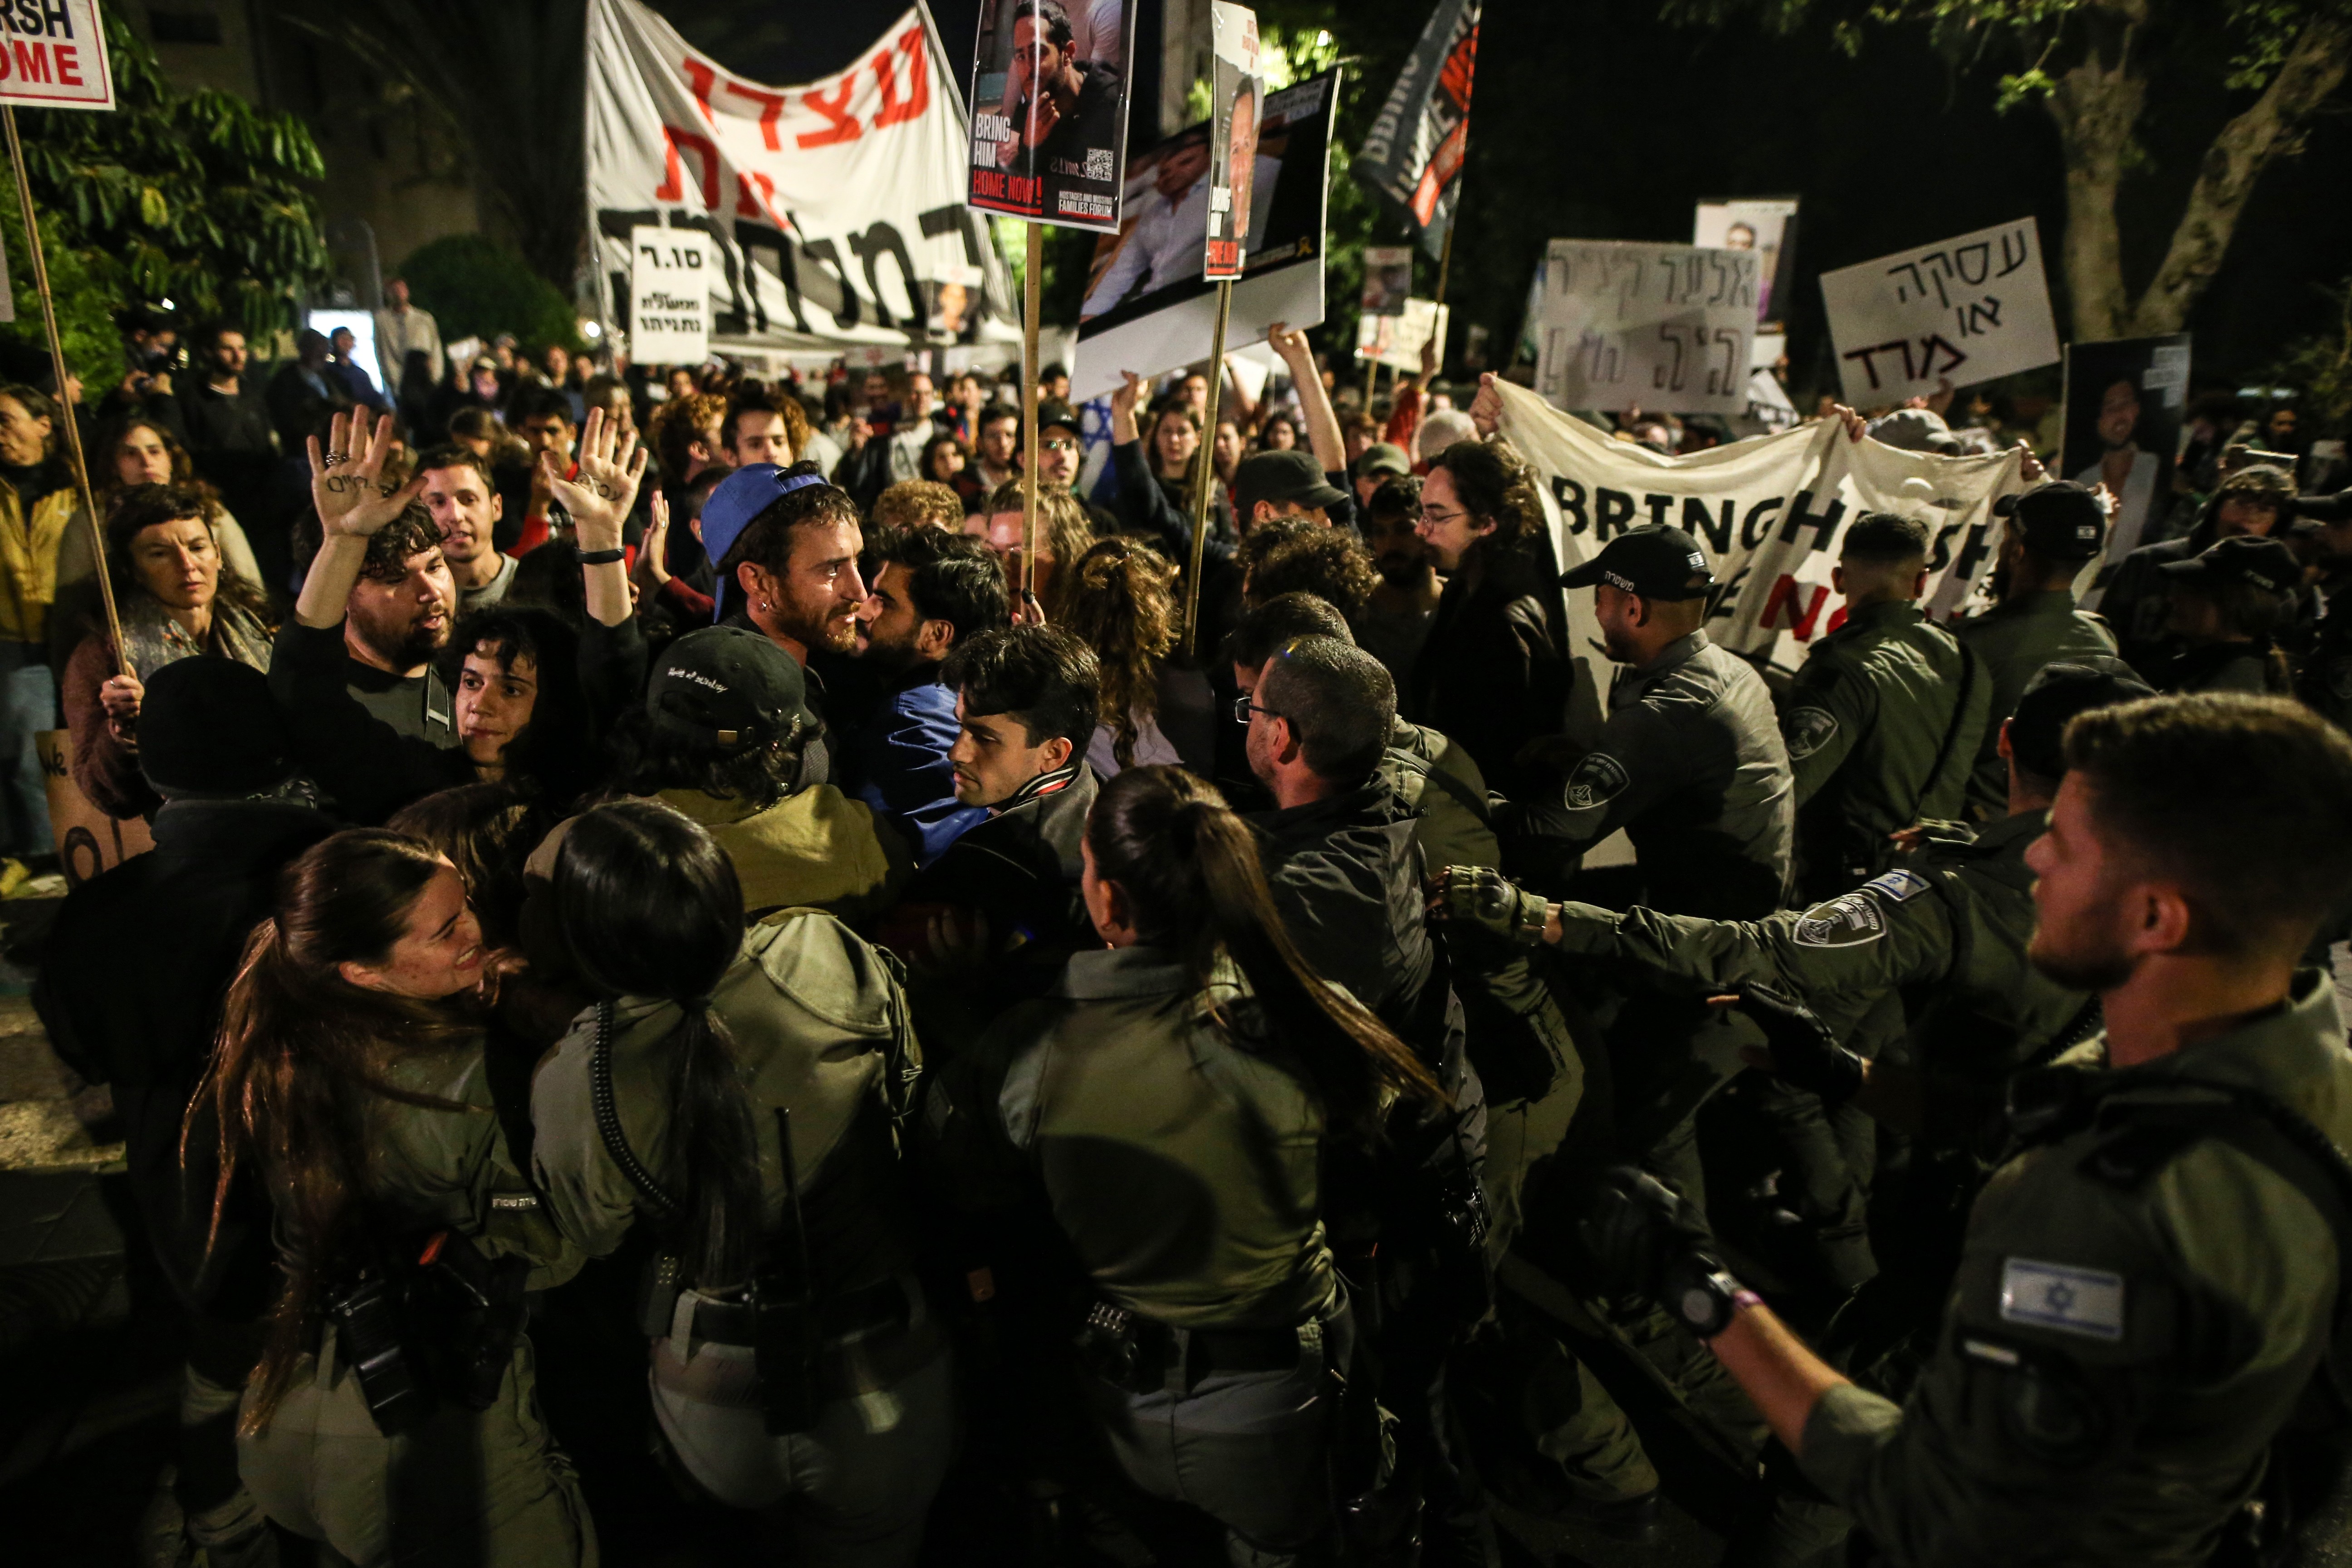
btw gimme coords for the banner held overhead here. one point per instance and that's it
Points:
(834, 209)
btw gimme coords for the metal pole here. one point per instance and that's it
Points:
(1208, 472)
(1030, 284)
(58, 359)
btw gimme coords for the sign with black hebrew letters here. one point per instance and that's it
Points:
(53, 56)
(1660, 327)
(1961, 311)
(671, 271)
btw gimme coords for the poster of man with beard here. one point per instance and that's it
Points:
(2125, 400)
(1239, 91)
(1049, 119)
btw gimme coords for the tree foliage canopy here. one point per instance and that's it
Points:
(202, 198)
(475, 289)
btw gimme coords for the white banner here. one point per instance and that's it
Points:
(1662, 327)
(1770, 512)
(1962, 311)
(835, 208)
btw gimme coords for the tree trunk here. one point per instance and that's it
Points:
(2095, 104)
(2270, 127)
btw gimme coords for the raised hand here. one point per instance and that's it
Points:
(1290, 342)
(1486, 408)
(653, 550)
(604, 487)
(1856, 426)
(1123, 428)
(347, 478)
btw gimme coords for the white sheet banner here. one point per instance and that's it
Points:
(1770, 512)
(1961, 310)
(835, 208)
(1660, 327)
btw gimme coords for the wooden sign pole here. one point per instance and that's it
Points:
(1206, 478)
(1031, 283)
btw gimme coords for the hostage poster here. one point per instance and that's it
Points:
(2124, 400)
(1049, 102)
(1766, 225)
(1149, 307)
(1237, 88)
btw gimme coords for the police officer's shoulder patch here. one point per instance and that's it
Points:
(2086, 1301)
(1897, 886)
(1597, 779)
(1847, 920)
(1807, 731)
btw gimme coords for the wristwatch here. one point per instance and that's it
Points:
(1703, 1296)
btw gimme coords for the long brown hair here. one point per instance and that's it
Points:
(1189, 869)
(1121, 602)
(301, 1051)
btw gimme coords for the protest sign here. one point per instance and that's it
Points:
(2125, 400)
(1962, 311)
(1388, 279)
(1049, 112)
(669, 296)
(1767, 226)
(1396, 341)
(1239, 88)
(88, 841)
(1148, 306)
(1770, 513)
(54, 57)
(1412, 159)
(1664, 327)
(835, 208)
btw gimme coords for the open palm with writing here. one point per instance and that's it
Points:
(603, 488)
(347, 478)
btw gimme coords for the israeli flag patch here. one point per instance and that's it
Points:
(2086, 1301)
(1898, 886)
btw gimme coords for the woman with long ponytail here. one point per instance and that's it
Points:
(1175, 1097)
(348, 1076)
(736, 1091)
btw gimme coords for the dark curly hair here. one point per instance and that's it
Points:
(1496, 485)
(1329, 562)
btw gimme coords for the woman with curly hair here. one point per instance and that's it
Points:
(1120, 600)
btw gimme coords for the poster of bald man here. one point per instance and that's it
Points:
(2125, 399)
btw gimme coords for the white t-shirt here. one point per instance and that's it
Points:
(1151, 747)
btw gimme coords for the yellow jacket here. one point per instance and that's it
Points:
(28, 562)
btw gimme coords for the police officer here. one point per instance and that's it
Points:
(1690, 763)
(2150, 1282)
(1885, 716)
(2229, 606)
(739, 1092)
(2256, 502)
(1173, 1098)
(2050, 532)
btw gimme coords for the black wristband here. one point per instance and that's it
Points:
(601, 557)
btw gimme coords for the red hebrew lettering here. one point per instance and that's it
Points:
(32, 61)
(772, 106)
(844, 126)
(672, 186)
(764, 204)
(918, 83)
(699, 78)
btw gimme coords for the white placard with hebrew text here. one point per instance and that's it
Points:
(1660, 327)
(671, 271)
(1963, 310)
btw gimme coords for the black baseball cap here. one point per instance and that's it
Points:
(1279, 477)
(2056, 694)
(2265, 563)
(2061, 521)
(1655, 562)
(728, 687)
(208, 727)
(1053, 411)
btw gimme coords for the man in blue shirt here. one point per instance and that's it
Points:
(933, 591)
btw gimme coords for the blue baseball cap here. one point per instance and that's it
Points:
(741, 497)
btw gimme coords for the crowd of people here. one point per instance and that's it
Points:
(664, 928)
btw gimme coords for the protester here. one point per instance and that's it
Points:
(1118, 602)
(139, 451)
(1397, 614)
(466, 506)
(544, 420)
(2253, 502)
(932, 592)
(945, 458)
(1065, 534)
(686, 437)
(918, 503)
(710, 1054)
(2229, 605)
(305, 391)
(404, 332)
(765, 426)
(176, 602)
(350, 1079)
(1329, 562)
(36, 503)
(1493, 672)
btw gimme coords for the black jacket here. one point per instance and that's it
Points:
(373, 740)
(1493, 674)
(131, 992)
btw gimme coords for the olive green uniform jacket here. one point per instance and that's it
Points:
(2017, 638)
(1882, 726)
(2120, 1348)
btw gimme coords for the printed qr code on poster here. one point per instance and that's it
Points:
(1100, 165)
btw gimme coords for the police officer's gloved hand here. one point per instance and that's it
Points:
(1483, 898)
(1648, 1241)
(1804, 1052)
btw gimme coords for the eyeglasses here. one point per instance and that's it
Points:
(1059, 444)
(1440, 518)
(1244, 708)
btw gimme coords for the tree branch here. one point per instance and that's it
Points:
(2097, 103)
(2312, 69)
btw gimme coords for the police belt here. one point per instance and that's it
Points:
(847, 1316)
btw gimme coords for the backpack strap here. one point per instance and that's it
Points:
(1433, 774)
